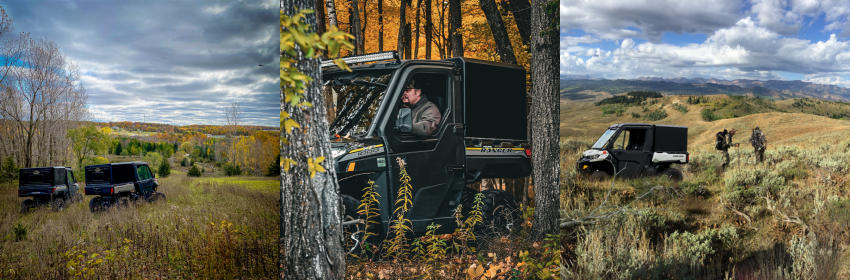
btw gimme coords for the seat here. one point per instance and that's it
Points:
(438, 101)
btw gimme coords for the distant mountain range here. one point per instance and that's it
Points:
(575, 87)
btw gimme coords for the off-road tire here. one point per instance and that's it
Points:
(674, 174)
(123, 202)
(26, 205)
(58, 204)
(599, 176)
(157, 196)
(500, 213)
(95, 206)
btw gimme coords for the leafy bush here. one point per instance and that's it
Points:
(164, 169)
(742, 184)
(630, 99)
(636, 115)
(194, 171)
(708, 115)
(680, 108)
(8, 170)
(703, 244)
(613, 109)
(184, 161)
(20, 232)
(655, 115)
(154, 160)
(231, 169)
(274, 168)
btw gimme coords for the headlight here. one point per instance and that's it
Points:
(338, 152)
(592, 156)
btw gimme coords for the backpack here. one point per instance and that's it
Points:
(718, 143)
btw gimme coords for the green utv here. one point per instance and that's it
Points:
(636, 149)
(53, 186)
(481, 134)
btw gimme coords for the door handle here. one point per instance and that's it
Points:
(458, 130)
(455, 168)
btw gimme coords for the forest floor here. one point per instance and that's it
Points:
(218, 227)
(785, 218)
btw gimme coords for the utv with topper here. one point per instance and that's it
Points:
(53, 186)
(481, 134)
(637, 149)
(120, 183)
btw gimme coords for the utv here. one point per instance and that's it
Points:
(120, 183)
(48, 185)
(636, 149)
(481, 134)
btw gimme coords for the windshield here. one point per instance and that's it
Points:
(355, 102)
(603, 141)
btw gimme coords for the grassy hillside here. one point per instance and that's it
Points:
(581, 89)
(786, 218)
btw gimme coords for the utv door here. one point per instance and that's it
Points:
(73, 187)
(146, 180)
(435, 163)
(631, 150)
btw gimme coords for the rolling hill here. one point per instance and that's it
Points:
(593, 90)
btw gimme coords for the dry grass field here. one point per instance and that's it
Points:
(786, 218)
(209, 228)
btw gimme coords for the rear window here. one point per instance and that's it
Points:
(123, 173)
(35, 178)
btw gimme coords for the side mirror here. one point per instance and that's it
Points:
(404, 122)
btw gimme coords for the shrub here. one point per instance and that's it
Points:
(274, 168)
(194, 171)
(184, 161)
(164, 168)
(655, 115)
(680, 108)
(709, 116)
(742, 184)
(703, 244)
(636, 115)
(231, 169)
(8, 170)
(617, 110)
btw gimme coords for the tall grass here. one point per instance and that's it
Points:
(208, 228)
(797, 202)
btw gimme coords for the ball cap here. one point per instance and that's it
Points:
(411, 85)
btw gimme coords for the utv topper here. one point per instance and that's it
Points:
(120, 183)
(48, 185)
(637, 149)
(482, 133)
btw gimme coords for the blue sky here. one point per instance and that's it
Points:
(174, 62)
(805, 40)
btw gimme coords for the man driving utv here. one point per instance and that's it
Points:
(426, 116)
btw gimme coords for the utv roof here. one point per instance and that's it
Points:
(616, 125)
(119, 163)
(46, 167)
(397, 64)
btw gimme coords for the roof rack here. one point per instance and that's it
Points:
(372, 57)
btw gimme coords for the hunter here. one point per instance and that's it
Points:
(727, 143)
(759, 143)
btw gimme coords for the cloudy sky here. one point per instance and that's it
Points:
(727, 39)
(175, 62)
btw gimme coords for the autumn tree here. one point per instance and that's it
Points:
(88, 141)
(455, 24)
(311, 208)
(544, 118)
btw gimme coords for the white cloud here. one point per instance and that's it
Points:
(648, 19)
(744, 50)
(828, 79)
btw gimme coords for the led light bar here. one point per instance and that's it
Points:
(372, 57)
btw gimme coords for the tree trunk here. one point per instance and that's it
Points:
(500, 33)
(331, 14)
(521, 9)
(355, 27)
(455, 23)
(429, 29)
(416, 37)
(320, 16)
(401, 25)
(407, 39)
(363, 26)
(380, 25)
(544, 115)
(311, 207)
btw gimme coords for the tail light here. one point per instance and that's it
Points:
(111, 191)
(528, 152)
(688, 158)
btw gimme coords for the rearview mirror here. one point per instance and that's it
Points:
(404, 122)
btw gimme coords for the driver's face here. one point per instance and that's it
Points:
(411, 96)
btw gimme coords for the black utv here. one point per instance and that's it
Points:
(53, 186)
(120, 183)
(637, 149)
(481, 134)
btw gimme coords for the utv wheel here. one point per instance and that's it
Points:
(500, 212)
(57, 205)
(95, 205)
(157, 196)
(123, 202)
(674, 174)
(599, 176)
(27, 205)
